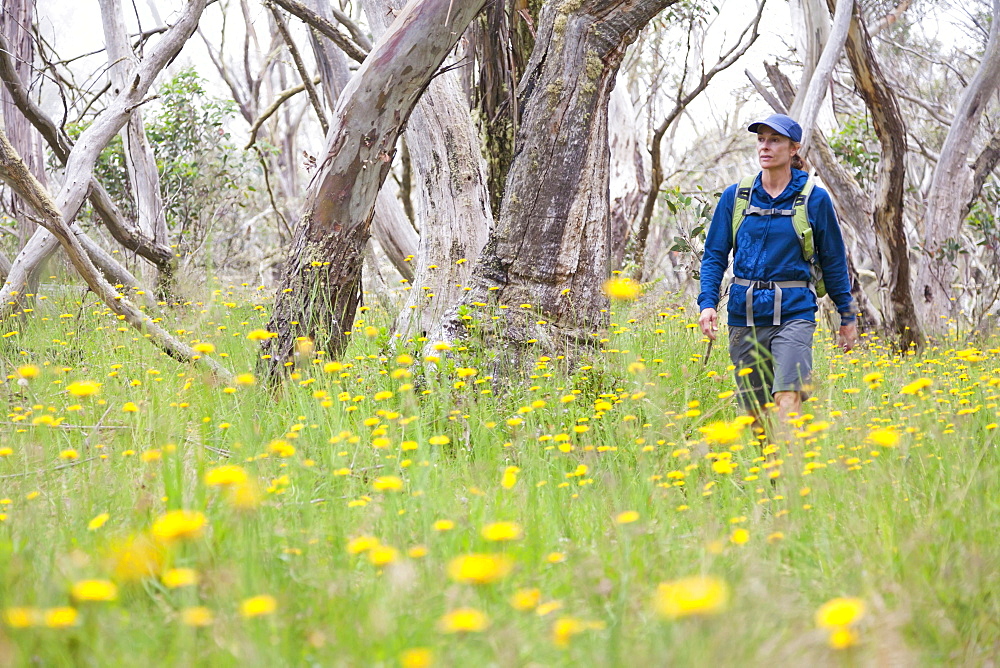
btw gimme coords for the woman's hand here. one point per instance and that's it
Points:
(848, 335)
(709, 323)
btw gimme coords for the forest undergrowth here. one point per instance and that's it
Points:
(396, 506)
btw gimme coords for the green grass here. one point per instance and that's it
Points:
(910, 529)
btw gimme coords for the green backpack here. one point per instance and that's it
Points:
(800, 221)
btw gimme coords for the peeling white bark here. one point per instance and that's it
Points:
(140, 163)
(451, 204)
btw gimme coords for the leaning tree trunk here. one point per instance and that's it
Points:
(881, 101)
(452, 202)
(545, 262)
(320, 289)
(390, 225)
(82, 158)
(952, 186)
(140, 163)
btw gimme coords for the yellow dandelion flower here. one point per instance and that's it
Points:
(916, 386)
(130, 407)
(204, 348)
(260, 335)
(439, 440)
(281, 448)
(28, 371)
(98, 522)
(622, 289)
(887, 438)
(258, 606)
(69, 455)
(840, 612)
(180, 577)
(502, 531)
(361, 544)
(83, 388)
(627, 517)
(695, 595)
(382, 555)
(387, 483)
(246, 379)
(225, 475)
(509, 478)
(463, 620)
(60, 618)
(443, 525)
(179, 525)
(739, 537)
(564, 628)
(480, 568)
(721, 433)
(416, 657)
(842, 638)
(94, 590)
(525, 599)
(20, 618)
(197, 616)
(135, 559)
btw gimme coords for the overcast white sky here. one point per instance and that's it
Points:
(74, 27)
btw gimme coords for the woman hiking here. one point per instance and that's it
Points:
(780, 261)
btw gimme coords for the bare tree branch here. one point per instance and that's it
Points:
(889, 18)
(726, 60)
(353, 50)
(820, 81)
(300, 66)
(283, 96)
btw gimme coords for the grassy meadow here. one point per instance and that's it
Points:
(394, 507)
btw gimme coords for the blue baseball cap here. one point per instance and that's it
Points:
(781, 124)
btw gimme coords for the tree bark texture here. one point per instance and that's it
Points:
(320, 289)
(546, 261)
(140, 163)
(815, 93)
(881, 101)
(952, 186)
(78, 174)
(391, 226)
(854, 206)
(629, 180)
(15, 23)
(452, 203)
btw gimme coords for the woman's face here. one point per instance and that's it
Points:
(774, 151)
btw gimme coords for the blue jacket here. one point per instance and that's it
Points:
(767, 250)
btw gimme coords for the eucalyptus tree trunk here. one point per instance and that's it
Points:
(629, 181)
(952, 186)
(320, 289)
(391, 227)
(854, 206)
(880, 98)
(544, 264)
(452, 203)
(140, 163)
(15, 24)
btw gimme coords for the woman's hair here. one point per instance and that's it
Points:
(797, 161)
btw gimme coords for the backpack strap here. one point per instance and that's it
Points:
(742, 202)
(800, 221)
